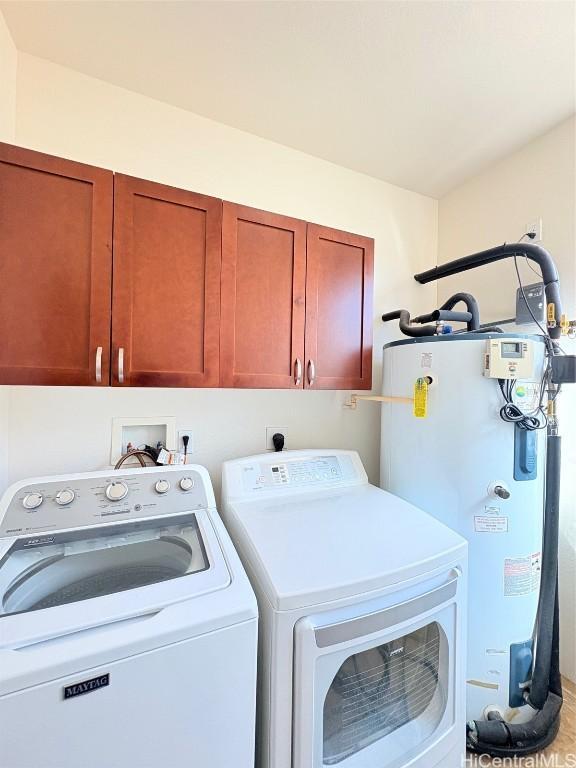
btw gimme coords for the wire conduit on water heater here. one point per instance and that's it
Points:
(542, 692)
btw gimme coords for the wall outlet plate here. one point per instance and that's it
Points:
(270, 432)
(535, 226)
(180, 445)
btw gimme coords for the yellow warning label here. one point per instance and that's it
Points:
(551, 314)
(564, 325)
(421, 398)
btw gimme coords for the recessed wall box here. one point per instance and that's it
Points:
(509, 358)
(141, 430)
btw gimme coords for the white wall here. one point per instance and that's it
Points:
(537, 181)
(68, 114)
(8, 62)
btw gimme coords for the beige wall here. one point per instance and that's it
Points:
(65, 113)
(537, 181)
(8, 61)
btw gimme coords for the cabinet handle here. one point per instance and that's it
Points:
(311, 372)
(121, 365)
(297, 371)
(99, 365)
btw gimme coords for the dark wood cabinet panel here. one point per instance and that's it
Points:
(339, 286)
(55, 270)
(263, 299)
(112, 279)
(166, 295)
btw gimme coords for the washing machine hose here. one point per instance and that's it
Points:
(494, 736)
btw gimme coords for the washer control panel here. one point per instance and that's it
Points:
(79, 501)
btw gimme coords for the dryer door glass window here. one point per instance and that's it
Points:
(379, 690)
(70, 569)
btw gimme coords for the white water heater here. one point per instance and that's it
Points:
(452, 454)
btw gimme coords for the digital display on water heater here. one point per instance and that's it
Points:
(511, 349)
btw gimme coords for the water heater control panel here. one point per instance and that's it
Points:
(509, 358)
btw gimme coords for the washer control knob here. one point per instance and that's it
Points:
(116, 491)
(187, 483)
(32, 500)
(162, 486)
(65, 496)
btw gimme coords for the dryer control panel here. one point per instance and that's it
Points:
(292, 471)
(91, 499)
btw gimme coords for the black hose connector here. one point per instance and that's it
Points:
(500, 739)
(533, 252)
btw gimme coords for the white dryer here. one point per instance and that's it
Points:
(362, 615)
(128, 628)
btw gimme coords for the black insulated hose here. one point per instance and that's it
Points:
(445, 313)
(540, 684)
(471, 305)
(405, 324)
(533, 252)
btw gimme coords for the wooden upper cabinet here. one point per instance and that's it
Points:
(166, 295)
(339, 286)
(55, 269)
(263, 299)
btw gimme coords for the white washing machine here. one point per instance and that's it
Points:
(362, 615)
(128, 627)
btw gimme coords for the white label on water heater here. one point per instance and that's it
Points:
(526, 395)
(490, 524)
(522, 574)
(426, 360)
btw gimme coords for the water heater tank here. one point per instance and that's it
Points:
(483, 477)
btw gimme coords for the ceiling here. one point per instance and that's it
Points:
(420, 94)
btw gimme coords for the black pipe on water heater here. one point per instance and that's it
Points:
(530, 251)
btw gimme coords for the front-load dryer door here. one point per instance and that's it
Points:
(57, 583)
(375, 683)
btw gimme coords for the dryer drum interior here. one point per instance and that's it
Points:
(378, 690)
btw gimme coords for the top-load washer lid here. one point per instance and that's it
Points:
(324, 533)
(73, 566)
(84, 550)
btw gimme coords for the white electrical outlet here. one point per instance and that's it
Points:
(270, 432)
(180, 446)
(535, 228)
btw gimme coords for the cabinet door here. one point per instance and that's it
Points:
(55, 270)
(339, 286)
(263, 285)
(166, 298)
